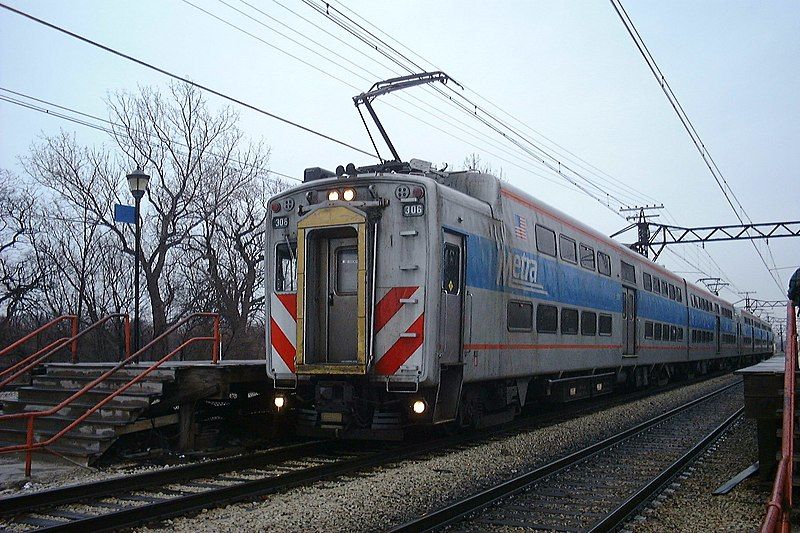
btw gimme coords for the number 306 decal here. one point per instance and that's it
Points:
(413, 210)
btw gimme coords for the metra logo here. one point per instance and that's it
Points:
(522, 271)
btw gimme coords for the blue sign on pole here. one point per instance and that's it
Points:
(125, 214)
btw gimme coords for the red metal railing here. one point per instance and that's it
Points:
(780, 505)
(52, 323)
(31, 416)
(28, 363)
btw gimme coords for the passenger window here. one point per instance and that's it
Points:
(656, 285)
(604, 325)
(603, 264)
(673, 333)
(546, 319)
(671, 292)
(664, 287)
(678, 294)
(569, 321)
(520, 316)
(567, 248)
(648, 330)
(545, 240)
(286, 268)
(587, 257)
(657, 331)
(451, 272)
(648, 281)
(346, 271)
(680, 334)
(628, 272)
(588, 323)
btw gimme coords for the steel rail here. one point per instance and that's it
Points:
(181, 505)
(649, 491)
(457, 511)
(14, 505)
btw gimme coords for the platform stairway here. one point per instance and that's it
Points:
(124, 414)
(79, 409)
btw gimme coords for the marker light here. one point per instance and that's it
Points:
(349, 195)
(418, 192)
(333, 195)
(280, 401)
(276, 207)
(419, 407)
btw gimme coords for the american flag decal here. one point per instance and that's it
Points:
(520, 227)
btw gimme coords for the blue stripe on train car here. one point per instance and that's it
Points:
(662, 309)
(534, 276)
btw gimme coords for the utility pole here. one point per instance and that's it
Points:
(643, 227)
(746, 295)
(713, 284)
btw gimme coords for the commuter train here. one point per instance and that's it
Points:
(398, 295)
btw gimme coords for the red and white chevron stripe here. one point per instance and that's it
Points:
(283, 331)
(399, 331)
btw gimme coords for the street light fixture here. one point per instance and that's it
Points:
(137, 182)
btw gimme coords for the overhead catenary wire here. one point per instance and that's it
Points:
(435, 67)
(719, 178)
(362, 31)
(186, 80)
(435, 111)
(537, 153)
(109, 131)
(414, 117)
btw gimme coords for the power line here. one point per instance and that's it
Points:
(360, 36)
(184, 80)
(436, 111)
(540, 155)
(719, 178)
(109, 131)
(585, 165)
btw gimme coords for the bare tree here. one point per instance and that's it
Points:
(473, 162)
(201, 217)
(20, 277)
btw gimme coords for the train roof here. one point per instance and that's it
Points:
(491, 189)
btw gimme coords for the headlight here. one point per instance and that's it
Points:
(333, 195)
(280, 401)
(349, 195)
(419, 407)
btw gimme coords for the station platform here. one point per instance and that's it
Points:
(177, 393)
(763, 402)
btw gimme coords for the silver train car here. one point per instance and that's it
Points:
(398, 295)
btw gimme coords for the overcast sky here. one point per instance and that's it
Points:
(567, 70)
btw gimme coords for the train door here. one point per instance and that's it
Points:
(452, 298)
(628, 321)
(716, 333)
(342, 299)
(451, 368)
(332, 288)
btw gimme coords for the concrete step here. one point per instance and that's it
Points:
(50, 425)
(53, 396)
(70, 444)
(109, 384)
(120, 413)
(97, 369)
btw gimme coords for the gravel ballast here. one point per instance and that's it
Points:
(391, 495)
(690, 505)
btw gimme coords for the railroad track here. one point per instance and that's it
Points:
(598, 487)
(158, 495)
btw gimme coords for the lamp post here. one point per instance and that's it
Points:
(137, 182)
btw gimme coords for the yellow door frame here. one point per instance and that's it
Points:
(327, 217)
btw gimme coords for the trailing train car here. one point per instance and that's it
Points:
(399, 295)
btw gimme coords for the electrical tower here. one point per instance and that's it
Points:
(643, 227)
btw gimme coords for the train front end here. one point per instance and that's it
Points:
(346, 264)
